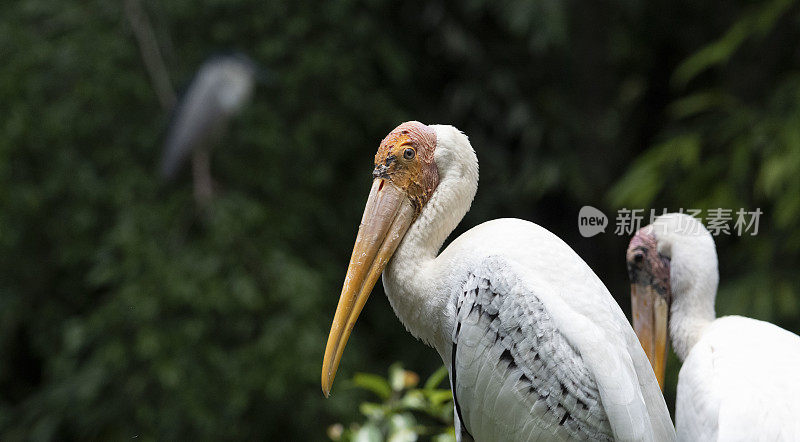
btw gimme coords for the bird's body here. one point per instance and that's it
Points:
(219, 90)
(541, 348)
(536, 347)
(740, 376)
(740, 381)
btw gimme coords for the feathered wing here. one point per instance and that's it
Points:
(198, 121)
(663, 429)
(740, 382)
(519, 373)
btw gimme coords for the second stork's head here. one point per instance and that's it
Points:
(672, 265)
(419, 169)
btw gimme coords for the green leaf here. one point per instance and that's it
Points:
(372, 411)
(373, 383)
(414, 400)
(439, 397)
(757, 23)
(445, 437)
(436, 378)
(642, 183)
(694, 104)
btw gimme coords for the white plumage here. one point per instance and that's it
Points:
(536, 347)
(740, 378)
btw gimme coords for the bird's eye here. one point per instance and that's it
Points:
(409, 153)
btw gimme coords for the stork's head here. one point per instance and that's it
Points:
(232, 79)
(405, 161)
(667, 260)
(404, 178)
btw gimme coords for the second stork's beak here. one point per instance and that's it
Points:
(387, 216)
(650, 310)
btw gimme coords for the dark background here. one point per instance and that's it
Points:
(127, 312)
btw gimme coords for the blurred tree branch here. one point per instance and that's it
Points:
(151, 54)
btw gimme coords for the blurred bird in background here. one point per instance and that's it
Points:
(219, 91)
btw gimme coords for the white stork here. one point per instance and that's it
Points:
(535, 345)
(740, 378)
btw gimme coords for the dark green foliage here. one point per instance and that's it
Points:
(125, 311)
(735, 135)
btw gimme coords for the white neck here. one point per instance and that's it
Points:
(693, 278)
(410, 278)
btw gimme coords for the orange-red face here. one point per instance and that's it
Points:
(649, 273)
(646, 265)
(405, 157)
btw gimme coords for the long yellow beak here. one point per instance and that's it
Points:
(386, 219)
(650, 311)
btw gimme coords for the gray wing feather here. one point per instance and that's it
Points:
(515, 376)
